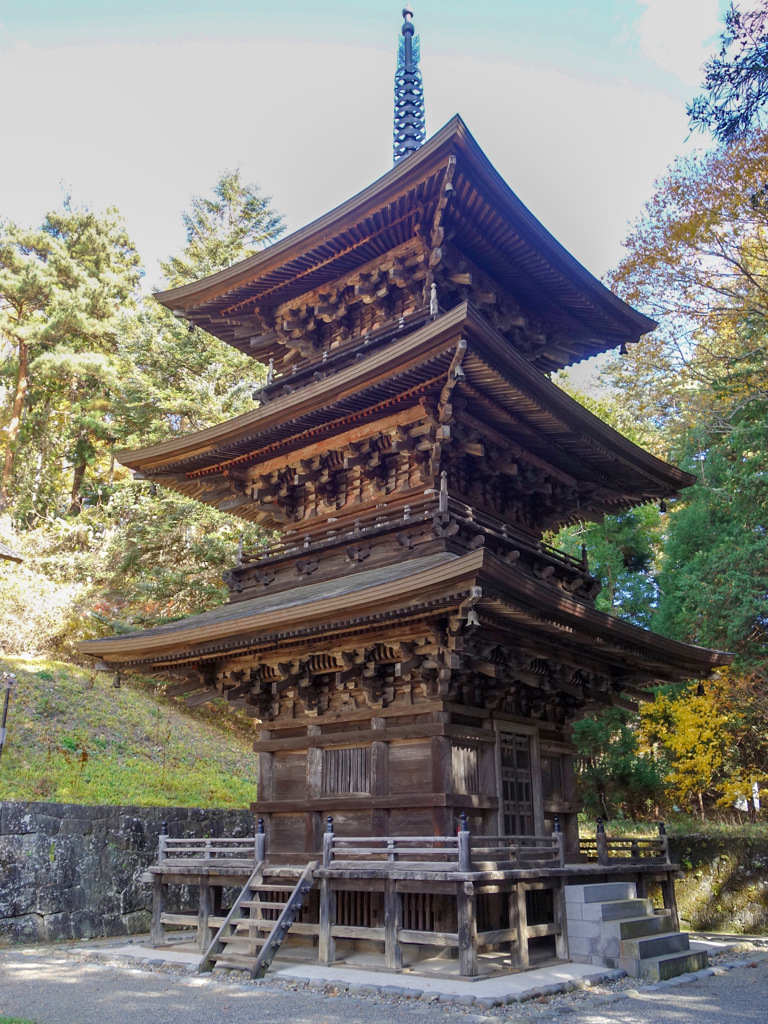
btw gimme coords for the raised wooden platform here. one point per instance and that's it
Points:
(413, 894)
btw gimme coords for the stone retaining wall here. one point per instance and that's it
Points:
(725, 887)
(72, 872)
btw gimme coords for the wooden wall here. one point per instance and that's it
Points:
(397, 774)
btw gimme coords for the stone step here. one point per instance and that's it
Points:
(638, 927)
(600, 892)
(654, 945)
(669, 965)
(615, 909)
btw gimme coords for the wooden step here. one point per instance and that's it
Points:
(265, 904)
(185, 920)
(265, 887)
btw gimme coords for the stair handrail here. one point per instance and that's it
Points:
(283, 922)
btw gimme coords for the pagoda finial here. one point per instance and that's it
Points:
(410, 130)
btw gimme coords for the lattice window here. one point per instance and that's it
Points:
(347, 770)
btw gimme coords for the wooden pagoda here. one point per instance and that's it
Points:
(413, 649)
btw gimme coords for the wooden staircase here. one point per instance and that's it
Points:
(259, 921)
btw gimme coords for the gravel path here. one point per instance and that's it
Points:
(57, 986)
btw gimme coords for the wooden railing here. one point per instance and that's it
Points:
(212, 848)
(520, 851)
(635, 849)
(431, 852)
(462, 852)
(365, 523)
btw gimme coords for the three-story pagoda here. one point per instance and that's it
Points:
(411, 646)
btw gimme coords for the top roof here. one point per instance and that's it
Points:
(486, 220)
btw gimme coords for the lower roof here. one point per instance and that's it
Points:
(536, 611)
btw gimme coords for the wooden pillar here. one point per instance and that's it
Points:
(314, 791)
(561, 937)
(326, 947)
(442, 780)
(467, 915)
(379, 779)
(204, 911)
(393, 922)
(518, 921)
(159, 897)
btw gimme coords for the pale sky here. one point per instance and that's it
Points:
(580, 105)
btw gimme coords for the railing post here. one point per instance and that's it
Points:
(162, 840)
(260, 850)
(559, 839)
(328, 838)
(465, 852)
(602, 843)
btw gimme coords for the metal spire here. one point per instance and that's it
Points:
(409, 93)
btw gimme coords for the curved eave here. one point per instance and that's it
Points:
(556, 276)
(601, 628)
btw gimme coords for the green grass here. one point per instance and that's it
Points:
(73, 738)
(16, 1020)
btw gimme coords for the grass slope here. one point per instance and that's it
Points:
(73, 738)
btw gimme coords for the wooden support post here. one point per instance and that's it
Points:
(326, 947)
(558, 905)
(204, 911)
(465, 899)
(641, 886)
(159, 897)
(518, 920)
(393, 922)
(670, 899)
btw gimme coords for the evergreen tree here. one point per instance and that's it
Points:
(62, 289)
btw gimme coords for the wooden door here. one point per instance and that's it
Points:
(517, 799)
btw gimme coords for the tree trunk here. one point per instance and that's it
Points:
(76, 501)
(22, 383)
(701, 806)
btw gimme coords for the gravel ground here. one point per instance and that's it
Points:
(53, 985)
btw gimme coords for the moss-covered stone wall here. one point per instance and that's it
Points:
(725, 888)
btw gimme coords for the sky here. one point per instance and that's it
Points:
(141, 105)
